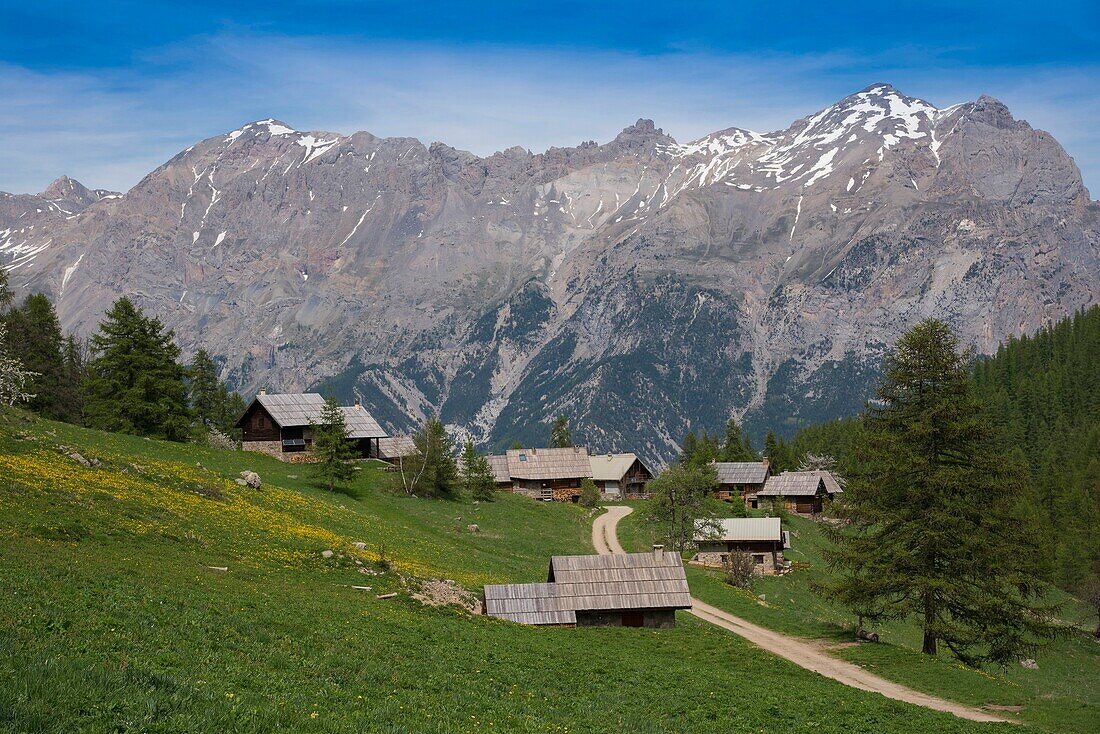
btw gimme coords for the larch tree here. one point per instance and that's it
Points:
(432, 471)
(332, 452)
(560, 435)
(935, 528)
(135, 383)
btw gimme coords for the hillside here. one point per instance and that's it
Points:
(627, 284)
(114, 615)
(1062, 695)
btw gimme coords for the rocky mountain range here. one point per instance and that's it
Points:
(640, 287)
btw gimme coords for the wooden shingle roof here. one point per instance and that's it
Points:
(612, 467)
(291, 410)
(360, 423)
(527, 604)
(567, 463)
(800, 484)
(741, 472)
(593, 583)
(395, 446)
(499, 464)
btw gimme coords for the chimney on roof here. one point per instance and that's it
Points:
(358, 402)
(263, 391)
(659, 552)
(765, 460)
(610, 455)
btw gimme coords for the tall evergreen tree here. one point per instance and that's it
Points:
(560, 435)
(935, 524)
(74, 372)
(6, 296)
(212, 403)
(135, 384)
(477, 476)
(332, 451)
(736, 447)
(34, 336)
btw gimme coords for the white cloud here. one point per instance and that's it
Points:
(111, 128)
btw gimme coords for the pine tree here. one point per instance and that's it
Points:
(74, 372)
(34, 338)
(332, 452)
(477, 476)
(213, 405)
(560, 435)
(936, 529)
(135, 385)
(6, 296)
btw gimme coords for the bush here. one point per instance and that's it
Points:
(590, 493)
(739, 570)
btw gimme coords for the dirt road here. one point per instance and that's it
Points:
(798, 651)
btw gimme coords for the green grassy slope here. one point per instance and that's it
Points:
(111, 619)
(1063, 695)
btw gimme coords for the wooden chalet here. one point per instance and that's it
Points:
(620, 475)
(548, 474)
(280, 425)
(740, 480)
(622, 590)
(499, 464)
(803, 492)
(762, 537)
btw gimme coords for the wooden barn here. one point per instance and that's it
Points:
(623, 590)
(280, 425)
(803, 492)
(762, 537)
(548, 474)
(620, 476)
(740, 480)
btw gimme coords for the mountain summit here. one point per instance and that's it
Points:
(641, 287)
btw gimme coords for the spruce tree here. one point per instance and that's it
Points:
(935, 525)
(6, 295)
(135, 385)
(560, 435)
(590, 493)
(332, 452)
(478, 482)
(735, 447)
(34, 336)
(73, 374)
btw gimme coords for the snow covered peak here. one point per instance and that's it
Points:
(269, 126)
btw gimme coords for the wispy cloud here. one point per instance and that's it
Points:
(110, 127)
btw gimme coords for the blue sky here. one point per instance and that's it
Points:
(107, 91)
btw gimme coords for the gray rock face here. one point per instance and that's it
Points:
(641, 287)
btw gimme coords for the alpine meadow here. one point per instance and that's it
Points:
(778, 412)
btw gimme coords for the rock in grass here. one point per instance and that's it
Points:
(241, 482)
(359, 546)
(327, 554)
(1029, 664)
(391, 595)
(473, 528)
(79, 459)
(251, 478)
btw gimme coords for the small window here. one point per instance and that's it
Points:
(758, 559)
(523, 457)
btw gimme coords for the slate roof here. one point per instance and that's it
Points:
(743, 528)
(800, 484)
(395, 446)
(612, 467)
(741, 472)
(567, 463)
(593, 583)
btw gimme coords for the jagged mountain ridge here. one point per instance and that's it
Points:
(640, 286)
